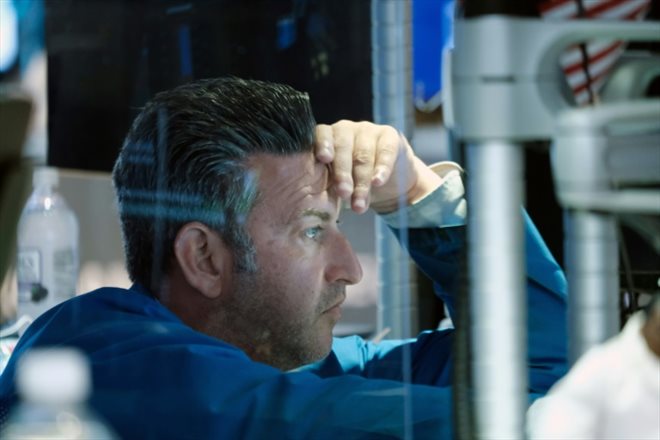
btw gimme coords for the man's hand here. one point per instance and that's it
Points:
(368, 161)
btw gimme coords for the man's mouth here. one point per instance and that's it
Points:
(335, 309)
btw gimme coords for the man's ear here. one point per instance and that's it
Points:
(203, 258)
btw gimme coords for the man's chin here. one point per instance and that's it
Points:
(323, 347)
(327, 343)
(313, 358)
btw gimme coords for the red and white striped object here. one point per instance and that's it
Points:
(587, 65)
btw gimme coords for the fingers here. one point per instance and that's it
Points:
(362, 155)
(323, 143)
(342, 165)
(389, 145)
(364, 158)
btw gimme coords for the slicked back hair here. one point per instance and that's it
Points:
(185, 159)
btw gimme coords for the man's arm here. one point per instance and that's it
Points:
(436, 211)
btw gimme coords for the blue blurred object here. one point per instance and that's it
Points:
(31, 29)
(433, 31)
(8, 35)
(286, 32)
(185, 52)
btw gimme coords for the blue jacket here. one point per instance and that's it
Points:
(156, 378)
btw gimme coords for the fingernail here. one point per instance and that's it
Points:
(359, 204)
(379, 175)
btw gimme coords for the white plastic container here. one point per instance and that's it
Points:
(48, 262)
(53, 385)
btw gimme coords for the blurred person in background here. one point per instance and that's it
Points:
(612, 392)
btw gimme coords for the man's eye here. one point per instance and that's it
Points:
(313, 233)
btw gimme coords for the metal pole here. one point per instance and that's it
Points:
(497, 287)
(391, 42)
(592, 270)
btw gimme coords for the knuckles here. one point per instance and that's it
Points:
(363, 158)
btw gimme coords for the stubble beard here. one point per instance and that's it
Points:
(277, 335)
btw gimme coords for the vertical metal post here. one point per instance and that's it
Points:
(497, 289)
(592, 270)
(391, 43)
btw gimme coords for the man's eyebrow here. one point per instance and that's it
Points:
(311, 212)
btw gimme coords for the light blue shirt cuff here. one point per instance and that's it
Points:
(444, 207)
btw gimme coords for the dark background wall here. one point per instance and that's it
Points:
(106, 58)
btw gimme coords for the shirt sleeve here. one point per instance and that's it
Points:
(444, 207)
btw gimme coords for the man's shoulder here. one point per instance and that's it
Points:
(111, 317)
(114, 326)
(106, 304)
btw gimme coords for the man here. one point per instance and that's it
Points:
(229, 200)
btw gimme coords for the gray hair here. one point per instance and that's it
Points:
(185, 159)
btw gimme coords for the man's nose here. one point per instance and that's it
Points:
(344, 265)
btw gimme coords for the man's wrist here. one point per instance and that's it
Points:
(427, 181)
(444, 206)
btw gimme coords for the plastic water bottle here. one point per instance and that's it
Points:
(47, 266)
(53, 385)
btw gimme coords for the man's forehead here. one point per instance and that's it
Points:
(293, 187)
(301, 171)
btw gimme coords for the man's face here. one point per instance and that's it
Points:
(291, 303)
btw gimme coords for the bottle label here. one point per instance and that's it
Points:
(28, 272)
(65, 272)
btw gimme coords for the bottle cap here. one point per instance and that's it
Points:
(45, 176)
(53, 376)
